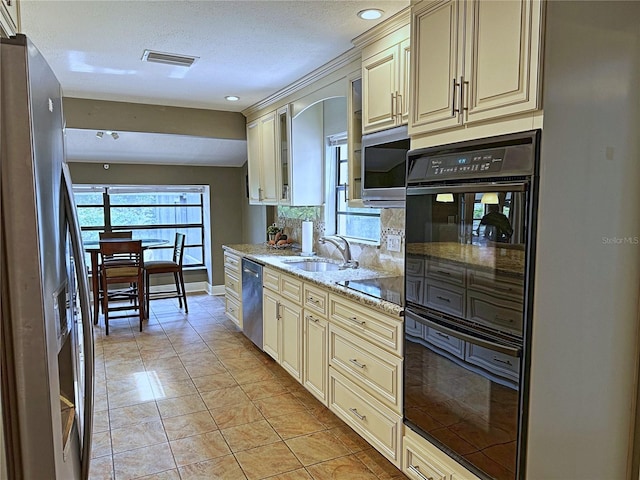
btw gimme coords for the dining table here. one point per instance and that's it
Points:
(92, 247)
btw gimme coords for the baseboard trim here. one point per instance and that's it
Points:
(192, 287)
(215, 289)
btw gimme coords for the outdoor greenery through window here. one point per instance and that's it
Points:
(150, 212)
(357, 223)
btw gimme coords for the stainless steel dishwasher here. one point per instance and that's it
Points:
(252, 301)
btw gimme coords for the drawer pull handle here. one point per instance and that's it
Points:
(503, 289)
(503, 320)
(505, 362)
(357, 363)
(313, 300)
(355, 412)
(443, 335)
(443, 298)
(415, 469)
(232, 286)
(443, 272)
(355, 320)
(309, 317)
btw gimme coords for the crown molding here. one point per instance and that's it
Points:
(400, 19)
(317, 74)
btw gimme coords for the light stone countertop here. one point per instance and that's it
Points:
(276, 258)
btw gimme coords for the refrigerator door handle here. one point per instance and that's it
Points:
(87, 324)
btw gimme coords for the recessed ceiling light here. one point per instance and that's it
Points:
(232, 98)
(370, 14)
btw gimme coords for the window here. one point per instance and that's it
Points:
(149, 212)
(355, 223)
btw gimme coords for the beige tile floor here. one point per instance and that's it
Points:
(191, 398)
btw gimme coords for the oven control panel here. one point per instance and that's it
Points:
(475, 162)
(448, 164)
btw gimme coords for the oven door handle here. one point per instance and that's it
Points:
(496, 347)
(470, 187)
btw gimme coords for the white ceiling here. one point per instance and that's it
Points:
(246, 48)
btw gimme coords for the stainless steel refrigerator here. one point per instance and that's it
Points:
(46, 335)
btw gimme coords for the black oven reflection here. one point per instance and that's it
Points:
(469, 229)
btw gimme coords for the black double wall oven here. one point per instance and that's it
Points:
(470, 233)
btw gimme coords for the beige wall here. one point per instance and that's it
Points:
(136, 117)
(226, 196)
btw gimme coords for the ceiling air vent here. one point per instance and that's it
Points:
(168, 58)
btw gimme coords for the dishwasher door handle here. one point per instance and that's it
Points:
(250, 272)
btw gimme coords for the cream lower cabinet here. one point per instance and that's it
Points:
(316, 342)
(233, 287)
(473, 61)
(282, 322)
(376, 423)
(348, 355)
(316, 365)
(422, 460)
(365, 373)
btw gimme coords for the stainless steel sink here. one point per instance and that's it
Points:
(314, 265)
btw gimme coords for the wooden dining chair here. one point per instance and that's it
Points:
(119, 234)
(173, 266)
(122, 263)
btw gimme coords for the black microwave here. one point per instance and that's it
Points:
(384, 163)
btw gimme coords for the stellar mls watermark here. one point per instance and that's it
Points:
(620, 240)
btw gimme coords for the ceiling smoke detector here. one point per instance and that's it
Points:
(168, 58)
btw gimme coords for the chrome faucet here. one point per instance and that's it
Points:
(344, 250)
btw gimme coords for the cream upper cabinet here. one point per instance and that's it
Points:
(9, 18)
(502, 58)
(384, 91)
(261, 151)
(472, 61)
(283, 151)
(354, 140)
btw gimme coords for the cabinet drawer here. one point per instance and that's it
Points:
(232, 263)
(495, 284)
(429, 460)
(232, 284)
(377, 328)
(495, 362)
(414, 287)
(376, 371)
(413, 328)
(316, 300)
(291, 289)
(414, 266)
(271, 279)
(445, 297)
(497, 313)
(453, 345)
(447, 271)
(233, 309)
(419, 466)
(376, 423)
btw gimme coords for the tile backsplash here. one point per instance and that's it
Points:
(371, 256)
